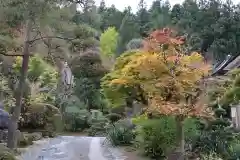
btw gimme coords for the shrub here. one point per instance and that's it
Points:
(58, 122)
(113, 117)
(98, 124)
(38, 116)
(97, 117)
(211, 156)
(50, 134)
(35, 136)
(235, 151)
(25, 140)
(118, 110)
(7, 156)
(215, 138)
(97, 129)
(6, 153)
(77, 120)
(120, 134)
(134, 44)
(158, 136)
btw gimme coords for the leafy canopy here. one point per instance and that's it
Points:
(108, 41)
(170, 79)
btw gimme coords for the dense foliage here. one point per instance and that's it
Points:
(157, 137)
(88, 70)
(136, 61)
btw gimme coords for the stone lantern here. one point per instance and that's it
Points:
(235, 114)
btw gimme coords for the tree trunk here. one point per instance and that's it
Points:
(13, 124)
(180, 136)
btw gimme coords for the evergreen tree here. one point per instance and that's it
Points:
(142, 18)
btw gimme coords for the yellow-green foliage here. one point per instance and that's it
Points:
(40, 75)
(139, 119)
(108, 41)
(38, 70)
(117, 93)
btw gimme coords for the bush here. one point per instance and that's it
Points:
(134, 44)
(235, 151)
(38, 116)
(97, 129)
(35, 136)
(50, 134)
(58, 123)
(211, 156)
(5, 153)
(98, 124)
(215, 138)
(120, 134)
(158, 136)
(113, 117)
(7, 156)
(118, 110)
(77, 120)
(25, 140)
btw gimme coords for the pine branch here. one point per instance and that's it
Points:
(80, 2)
(11, 55)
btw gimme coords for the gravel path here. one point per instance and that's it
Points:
(72, 148)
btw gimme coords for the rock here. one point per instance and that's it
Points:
(4, 119)
(1, 105)
(175, 156)
(3, 135)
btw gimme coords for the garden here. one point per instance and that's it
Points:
(64, 71)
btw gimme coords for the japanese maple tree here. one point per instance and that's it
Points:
(170, 79)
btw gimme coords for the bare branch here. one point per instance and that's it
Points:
(48, 44)
(52, 37)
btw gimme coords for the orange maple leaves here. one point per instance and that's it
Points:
(165, 36)
(198, 109)
(161, 37)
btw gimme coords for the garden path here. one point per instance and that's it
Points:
(73, 148)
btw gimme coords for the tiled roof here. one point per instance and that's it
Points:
(229, 63)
